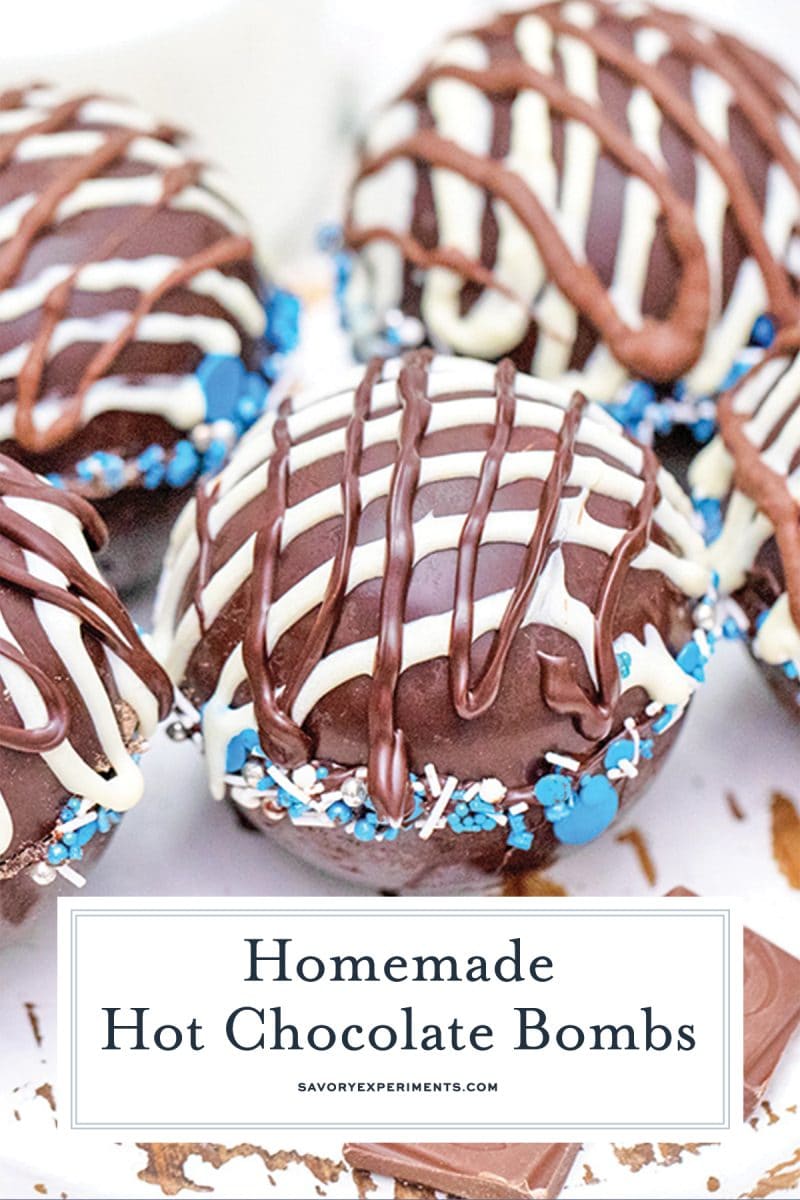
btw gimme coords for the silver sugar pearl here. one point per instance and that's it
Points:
(252, 773)
(353, 789)
(42, 873)
(177, 731)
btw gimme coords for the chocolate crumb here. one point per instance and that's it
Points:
(40, 1188)
(786, 837)
(635, 1157)
(773, 1116)
(636, 839)
(532, 883)
(45, 1090)
(364, 1183)
(778, 1180)
(33, 1021)
(166, 1163)
(735, 807)
(589, 1175)
(713, 1183)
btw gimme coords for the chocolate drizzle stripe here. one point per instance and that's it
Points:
(388, 754)
(281, 737)
(331, 608)
(465, 700)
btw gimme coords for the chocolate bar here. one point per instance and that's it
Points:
(771, 1009)
(477, 1171)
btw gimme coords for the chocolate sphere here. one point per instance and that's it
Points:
(79, 692)
(584, 186)
(746, 485)
(132, 321)
(437, 620)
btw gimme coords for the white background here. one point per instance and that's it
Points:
(606, 968)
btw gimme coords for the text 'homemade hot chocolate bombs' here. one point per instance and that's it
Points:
(79, 691)
(133, 330)
(436, 620)
(585, 185)
(747, 487)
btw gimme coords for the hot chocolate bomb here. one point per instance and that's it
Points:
(435, 621)
(79, 692)
(610, 188)
(747, 487)
(133, 329)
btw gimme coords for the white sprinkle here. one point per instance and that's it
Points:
(501, 818)
(434, 783)
(305, 777)
(562, 760)
(520, 807)
(653, 707)
(471, 792)
(76, 822)
(438, 809)
(492, 790)
(630, 725)
(283, 781)
(72, 876)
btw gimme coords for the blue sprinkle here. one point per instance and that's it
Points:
(103, 822)
(520, 840)
(790, 670)
(239, 748)
(640, 396)
(69, 839)
(86, 833)
(731, 629)
(339, 811)
(75, 853)
(65, 815)
(364, 830)
(703, 430)
(739, 369)
(114, 817)
(553, 789)
(390, 833)
(596, 808)
(665, 719)
(624, 664)
(151, 465)
(56, 480)
(455, 823)
(215, 456)
(763, 332)
(646, 747)
(183, 466)
(761, 618)
(283, 319)
(617, 752)
(56, 853)
(322, 772)
(692, 661)
(710, 511)
(222, 378)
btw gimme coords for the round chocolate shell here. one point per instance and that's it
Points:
(746, 485)
(435, 621)
(135, 331)
(79, 692)
(583, 186)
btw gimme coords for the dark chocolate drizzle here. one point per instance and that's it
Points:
(103, 617)
(225, 250)
(388, 763)
(659, 349)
